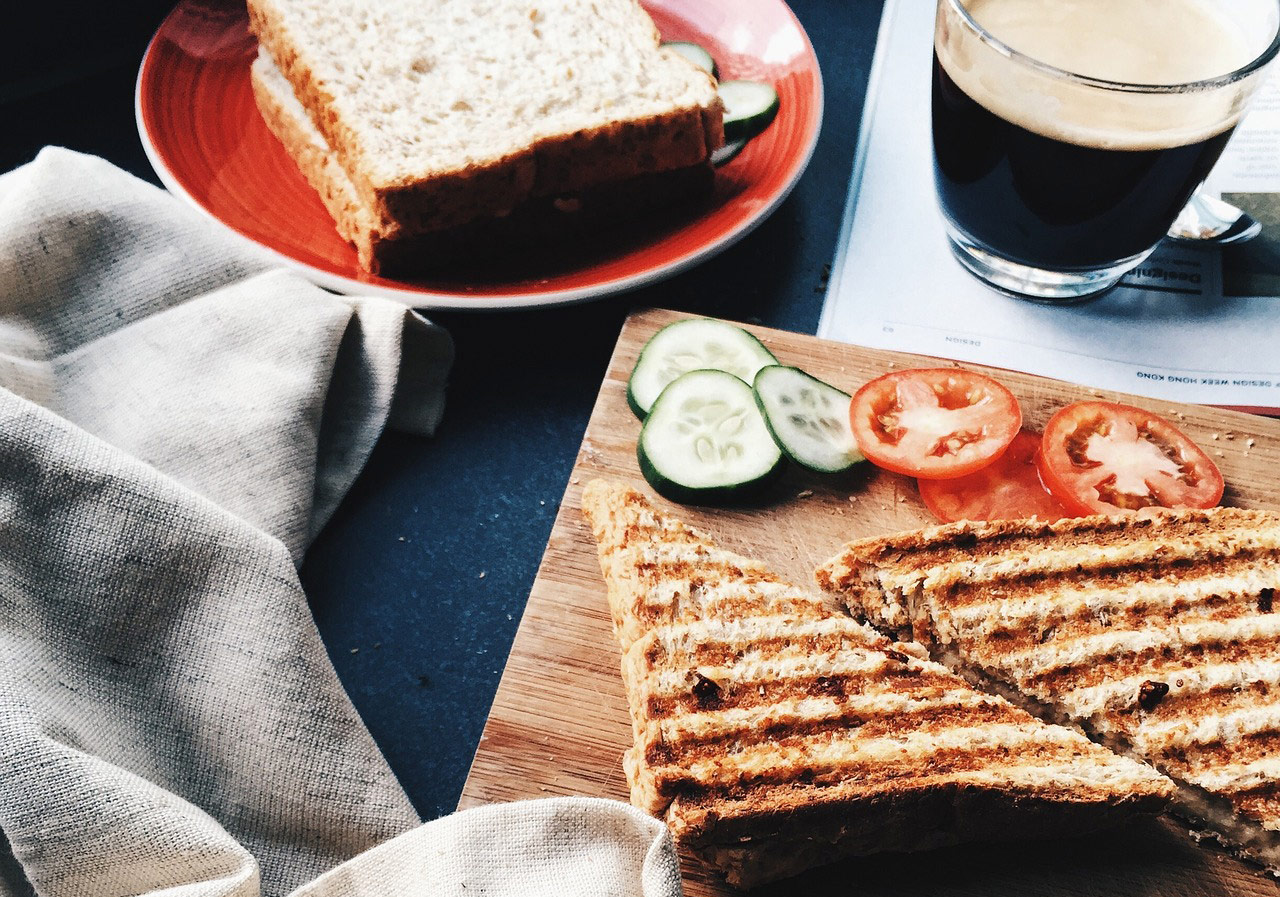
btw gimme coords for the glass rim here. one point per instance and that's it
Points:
(1205, 84)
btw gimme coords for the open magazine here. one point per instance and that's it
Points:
(1192, 324)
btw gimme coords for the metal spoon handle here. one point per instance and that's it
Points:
(1207, 219)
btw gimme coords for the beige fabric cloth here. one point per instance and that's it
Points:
(559, 847)
(130, 316)
(176, 423)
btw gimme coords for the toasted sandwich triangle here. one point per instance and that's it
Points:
(1159, 636)
(774, 733)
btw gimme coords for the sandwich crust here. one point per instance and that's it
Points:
(355, 219)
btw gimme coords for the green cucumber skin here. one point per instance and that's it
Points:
(747, 127)
(737, 132)
(792, 458)
(782, 443)
(727, 152)
(683, 479)
(714, 71)
(634, 404)
(739, 494)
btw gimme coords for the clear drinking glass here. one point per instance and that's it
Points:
(1055, 180)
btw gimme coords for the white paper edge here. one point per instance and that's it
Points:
(859, 164)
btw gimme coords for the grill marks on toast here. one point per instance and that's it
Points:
(1120, 696)
(1087, 541)
(1160, 634)
(852, 763)
(660, 572)
(704, 582)
(811, 716)
(858, 720)
(1065, 613)
(841, 689)
(778, 691)
(755, 703)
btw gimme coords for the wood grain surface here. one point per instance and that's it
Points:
(559, 723)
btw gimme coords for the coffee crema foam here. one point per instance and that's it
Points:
(1150, 42)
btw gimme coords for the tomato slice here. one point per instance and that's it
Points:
(934, 423)
(1009, 488)
(1104, 458)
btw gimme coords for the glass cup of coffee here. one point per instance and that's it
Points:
(1068, 134)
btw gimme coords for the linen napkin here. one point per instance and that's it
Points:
(177, 421)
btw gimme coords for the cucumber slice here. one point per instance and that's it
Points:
(695, 54)
(706, 442)
(809, 419)
(749, 108)
(694, 344)
(726, 153)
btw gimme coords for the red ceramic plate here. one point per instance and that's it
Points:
(208, 144)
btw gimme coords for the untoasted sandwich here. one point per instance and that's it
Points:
(774, 733)
(431, 119)
(1158, 636)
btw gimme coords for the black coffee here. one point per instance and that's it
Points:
(1049, 203)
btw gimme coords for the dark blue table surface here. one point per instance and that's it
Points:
(419, 581)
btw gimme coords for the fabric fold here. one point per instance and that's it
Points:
(536, 848)
(161, 672)
(177, 422)
(132, 317)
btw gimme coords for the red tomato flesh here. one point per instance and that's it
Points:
(1007, 489)
(934, 423)
(1104, 458)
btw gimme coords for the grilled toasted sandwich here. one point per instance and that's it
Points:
(1158, 636)
(775, 733)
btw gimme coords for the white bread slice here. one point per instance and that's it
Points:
(288, 121)
(445, 111)
(537, 224)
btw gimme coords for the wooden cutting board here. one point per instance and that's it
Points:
(559, 723)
